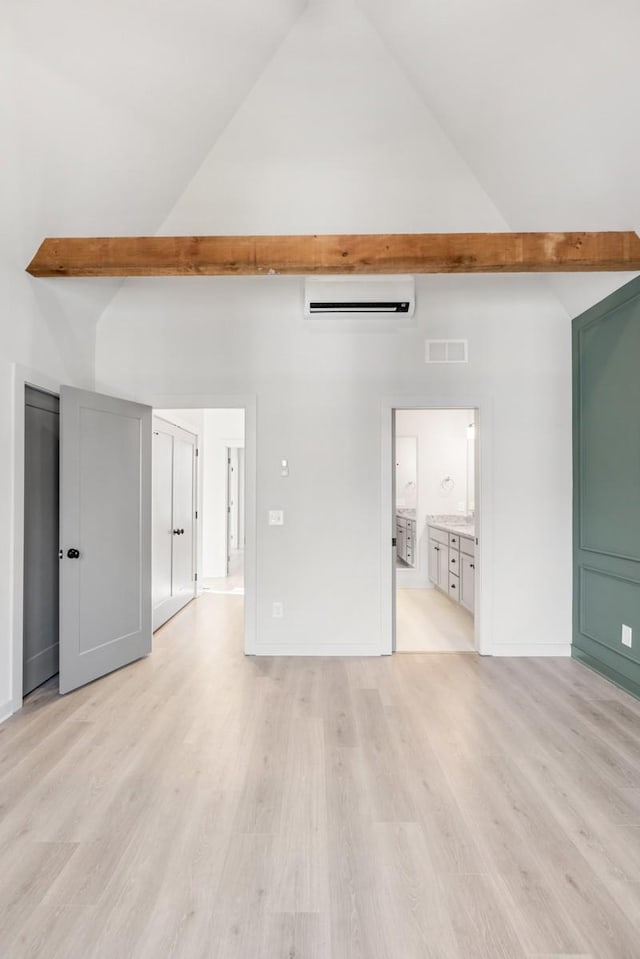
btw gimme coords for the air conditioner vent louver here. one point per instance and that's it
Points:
(383, 306)
(366, 296)
(446, 351)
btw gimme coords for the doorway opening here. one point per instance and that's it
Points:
(87, 527)
(434, 505)
(40, 603)
(198, 510)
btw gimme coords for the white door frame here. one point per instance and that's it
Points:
(246, 402)
(483, 511)
(22, 376)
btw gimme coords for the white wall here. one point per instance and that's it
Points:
(48, 327)
(222, 428)
(333, 137)
(442, 452)
(406, 470)
(319, 399)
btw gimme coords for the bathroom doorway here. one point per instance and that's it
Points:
(436, 540)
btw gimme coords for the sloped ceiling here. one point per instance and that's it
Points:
(541, 98)
(111, 107)
(333, 138)
(118, 104)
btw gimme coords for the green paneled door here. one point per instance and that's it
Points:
(606, 474)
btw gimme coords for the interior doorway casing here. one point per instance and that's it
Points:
(26, 376)
(246, 402)
(483, 419)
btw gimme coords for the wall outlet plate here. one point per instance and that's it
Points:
(276, 517)
(277, 610)
(627, 636)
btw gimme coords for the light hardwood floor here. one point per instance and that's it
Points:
(202, 804)
(428, 621)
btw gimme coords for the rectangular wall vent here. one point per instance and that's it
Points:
(446, 351)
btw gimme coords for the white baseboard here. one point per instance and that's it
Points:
(532, 649)
(321, 649)
(6, 710)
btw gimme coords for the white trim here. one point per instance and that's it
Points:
(532, 649)
(22, 376)
(317, 649)
(6, 710)
(483, 499)
(247, 402)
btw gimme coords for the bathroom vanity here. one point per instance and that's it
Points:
(452, 564)
(406, 545)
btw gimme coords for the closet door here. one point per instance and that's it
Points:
(183, 517)
(174, 479)
(162, 518)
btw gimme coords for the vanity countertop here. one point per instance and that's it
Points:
(459, 529)
(405, 512)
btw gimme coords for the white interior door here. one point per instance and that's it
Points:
(232, 500)
(105, 535)
(174, 528)
(162, 516)
(183, 518)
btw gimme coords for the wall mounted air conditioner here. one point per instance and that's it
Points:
(359, 296)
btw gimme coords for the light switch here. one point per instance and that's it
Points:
(627, 636)
(276, 517)
(284, 467)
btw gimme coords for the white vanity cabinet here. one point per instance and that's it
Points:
(406, 539)
(439, 558)
(467, 582)
(452, 565)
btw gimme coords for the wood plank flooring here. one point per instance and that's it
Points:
(427, 621)
(204, 805)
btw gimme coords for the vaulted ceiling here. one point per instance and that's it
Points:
(118, 107)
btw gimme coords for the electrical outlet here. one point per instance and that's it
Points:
(627, 636)
(277, 610)
(276, 517)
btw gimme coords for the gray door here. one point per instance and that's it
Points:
(40, 609)
(105, 535)
(606, 397)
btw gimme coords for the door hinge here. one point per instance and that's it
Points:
(393, 541)
(196, 578)
(197, 451)
(196, 514)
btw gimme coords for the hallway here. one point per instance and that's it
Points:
(200, 803)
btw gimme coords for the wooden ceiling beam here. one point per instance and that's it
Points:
(356, 254)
